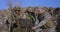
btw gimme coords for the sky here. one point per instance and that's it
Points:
(27, 3)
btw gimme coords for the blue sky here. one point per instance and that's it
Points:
(26, 3)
